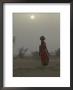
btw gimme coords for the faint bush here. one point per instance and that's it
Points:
(58, 52)
(21, 52)
(35, 54)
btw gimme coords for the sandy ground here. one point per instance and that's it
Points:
(33, 68)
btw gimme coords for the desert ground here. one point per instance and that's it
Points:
(31, 67)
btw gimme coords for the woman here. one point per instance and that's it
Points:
(43, 52)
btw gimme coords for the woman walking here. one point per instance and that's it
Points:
(43, 52)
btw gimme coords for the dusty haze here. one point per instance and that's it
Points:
(28, 31)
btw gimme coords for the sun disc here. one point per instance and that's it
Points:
(32, 17)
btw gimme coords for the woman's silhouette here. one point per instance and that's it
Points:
(43, 52)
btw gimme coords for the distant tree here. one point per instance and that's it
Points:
(35, 54)
(21, 52)
(13, 45)
(13, 39)
(25, 50)
(58, 52)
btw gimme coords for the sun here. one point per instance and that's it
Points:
(32, 17)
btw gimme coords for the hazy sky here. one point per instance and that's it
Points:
(28, 31)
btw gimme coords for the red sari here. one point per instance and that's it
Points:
(44, 55)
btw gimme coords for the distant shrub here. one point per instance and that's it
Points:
(35, 54)
(58, 52)
(21, 52)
